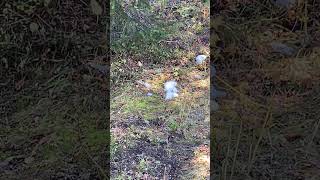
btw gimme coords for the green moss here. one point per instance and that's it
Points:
(3, 155)
(113, 146)
(173, 125)
(97, 139)
(66, 139)
(148, 107)
(49, 152)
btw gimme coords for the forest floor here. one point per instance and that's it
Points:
(268, 58)
(154, 138)
(157, 139)
(52, 102)
(267, 127)
(53, 111)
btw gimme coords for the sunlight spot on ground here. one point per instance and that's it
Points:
(201, 162)
(201, 83)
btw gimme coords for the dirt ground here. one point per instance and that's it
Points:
(154, 138)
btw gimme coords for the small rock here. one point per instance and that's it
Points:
(102, 68)
(285, 3)
(282, 48)
(197, 76)
(149, 94)
(200, 59)
(214, 106)
(145, 84)
(216, 93)
(28, 160)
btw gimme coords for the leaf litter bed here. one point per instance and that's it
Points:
(268, 126)
(52, 102)
(155, 138)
